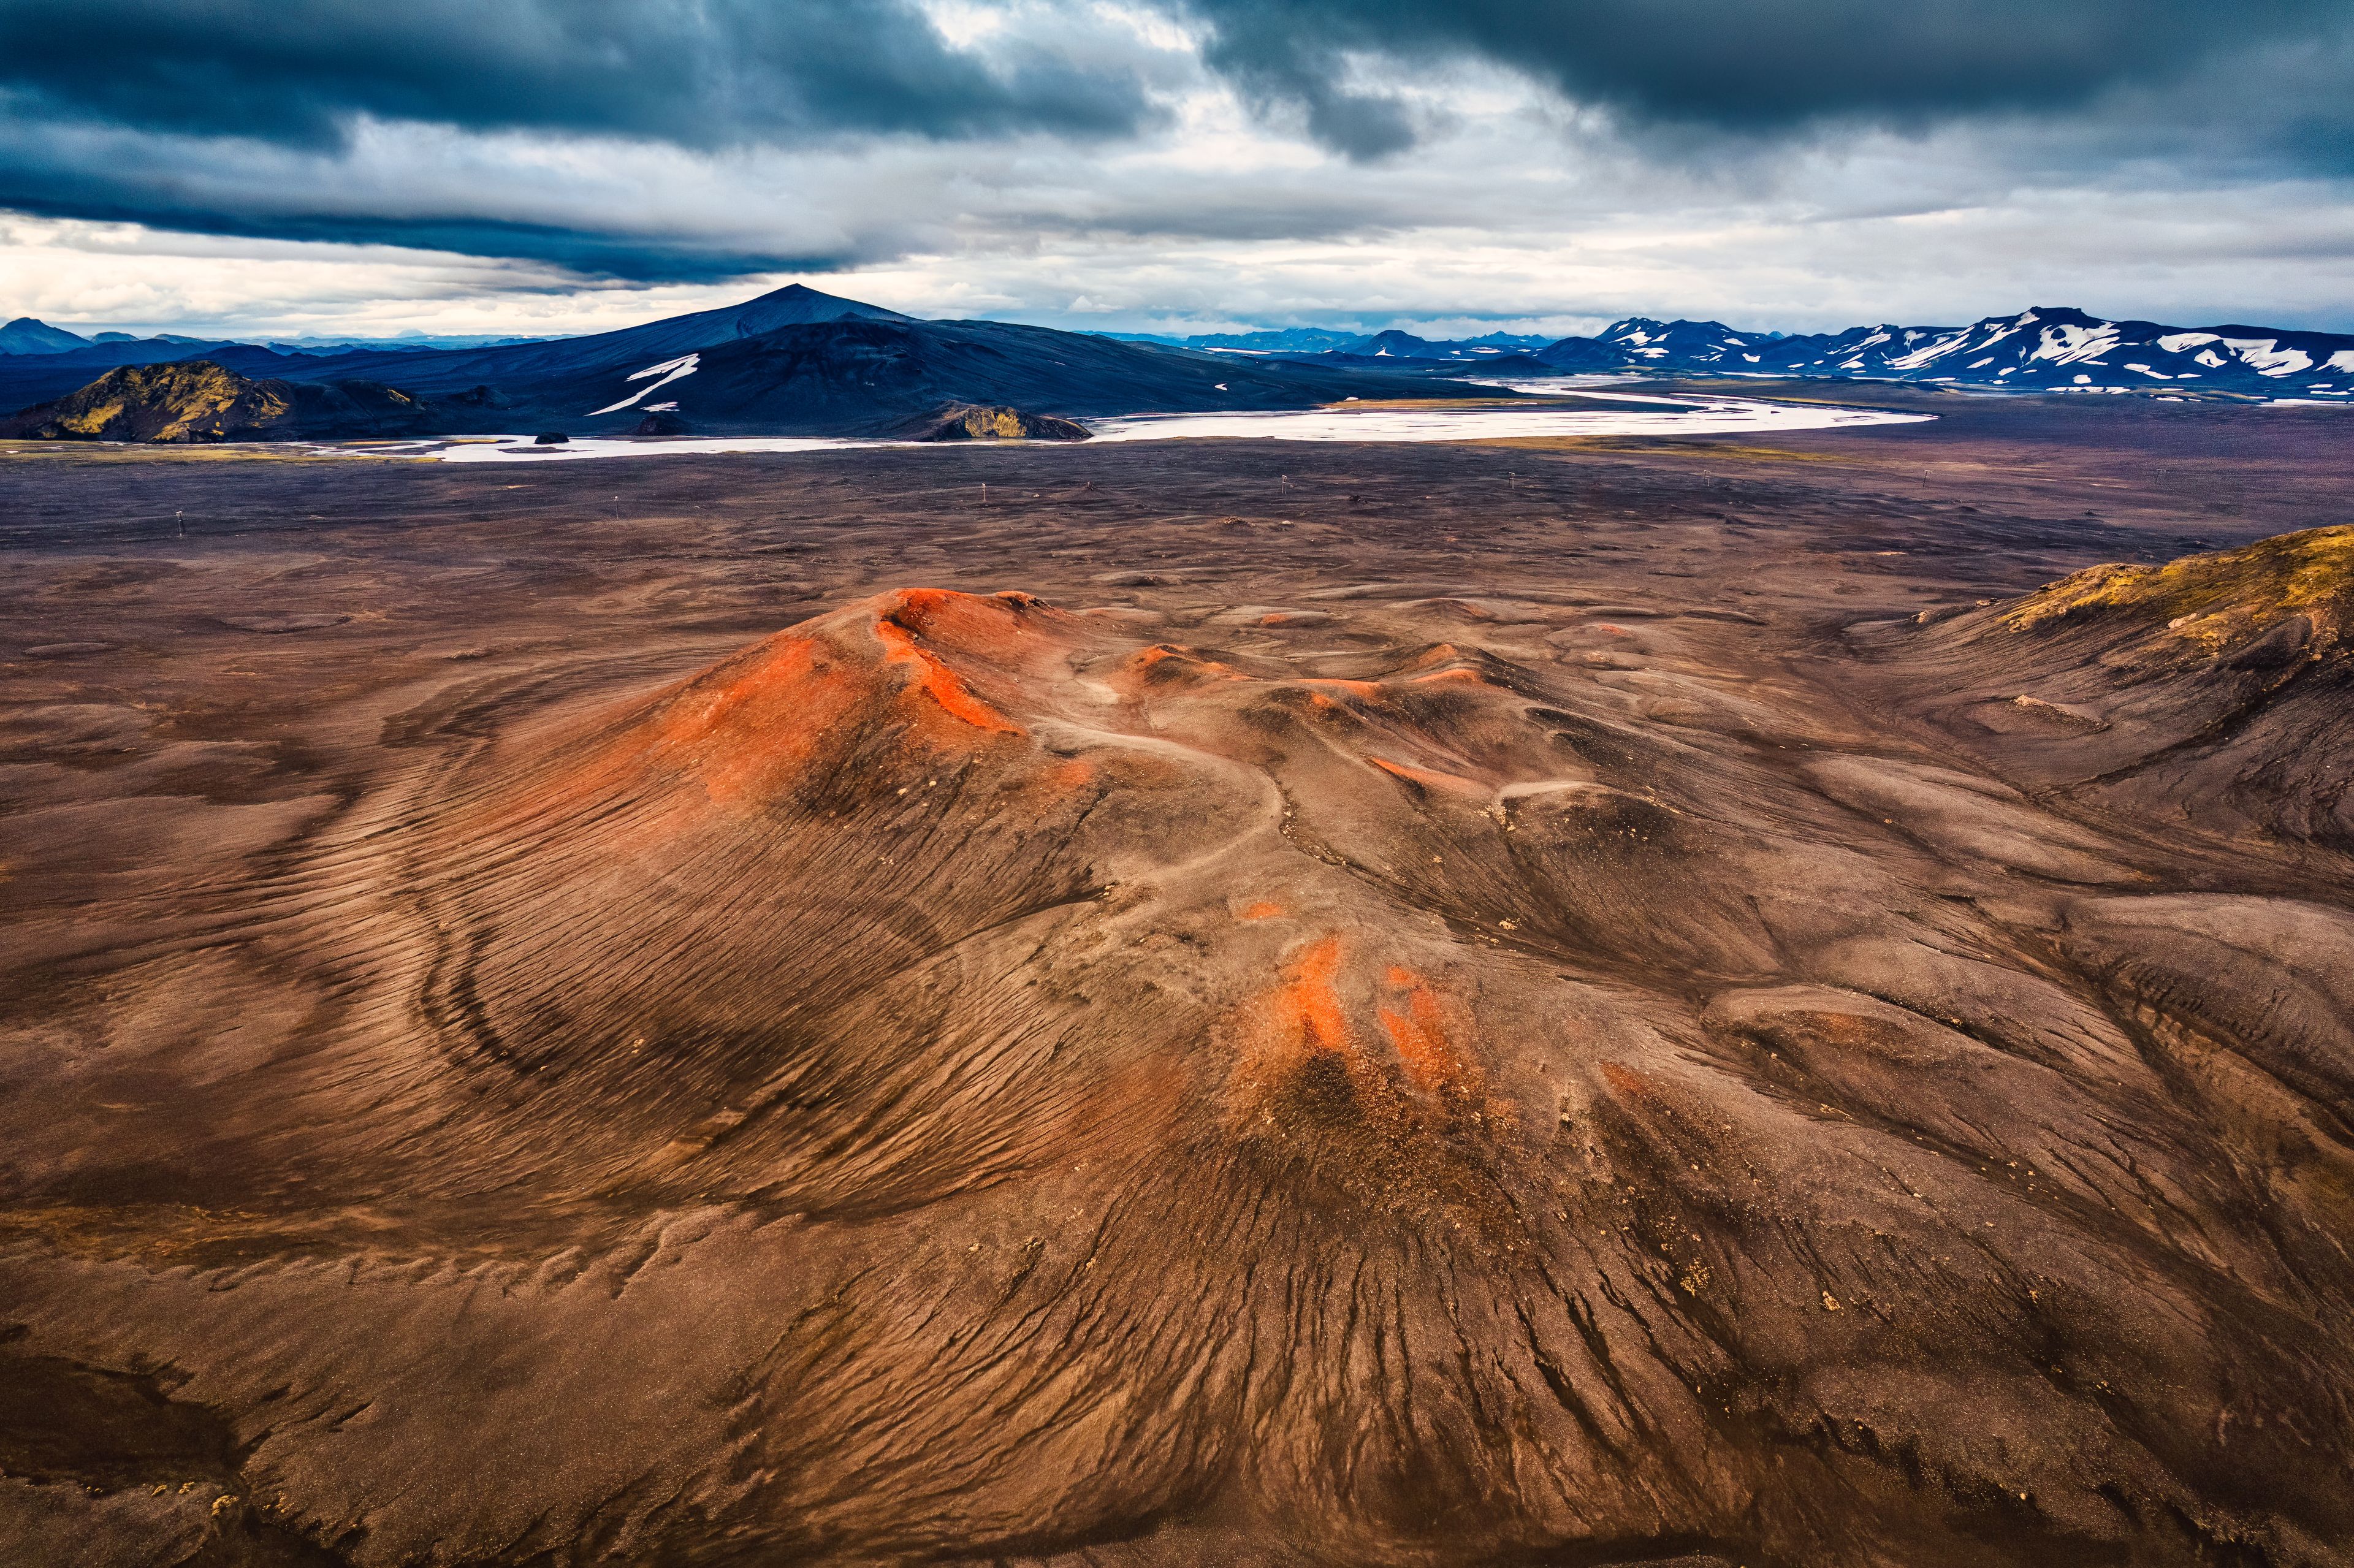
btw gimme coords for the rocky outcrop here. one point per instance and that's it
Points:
(2232, 604)
(196, 400)
(976, 422)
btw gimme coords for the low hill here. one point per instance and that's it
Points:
(196, 400)
(2216, 689)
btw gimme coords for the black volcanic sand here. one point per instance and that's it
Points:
(1315, 1005)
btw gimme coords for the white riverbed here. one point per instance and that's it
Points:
(1695, 416)
(1699, 416)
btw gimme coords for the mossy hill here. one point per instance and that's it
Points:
(197, 401)
(2220, 600)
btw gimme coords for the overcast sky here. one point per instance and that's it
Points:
(331, 166)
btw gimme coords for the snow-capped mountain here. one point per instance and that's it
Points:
(1673, 345)
(2045, 349)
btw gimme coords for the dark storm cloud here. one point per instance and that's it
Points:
(225, 116)
(579, 252)
(197, 186)
(700, 73)
(1754, 67)
(247, 117)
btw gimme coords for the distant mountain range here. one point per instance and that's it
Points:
(798, 362)
(2045, 349)
(25, 335)
(1391, 344)
(794, 362)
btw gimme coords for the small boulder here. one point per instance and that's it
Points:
(550, 439)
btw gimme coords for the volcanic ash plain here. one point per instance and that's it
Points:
(1233, 1003)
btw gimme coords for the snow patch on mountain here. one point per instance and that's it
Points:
(670, 370)
(2267, 359)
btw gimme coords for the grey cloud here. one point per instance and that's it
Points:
(232, 117)
(1749, 67)
(701, 73)
(198, 186)
(697, 139)
(579, 254)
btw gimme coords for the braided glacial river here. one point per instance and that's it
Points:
(1689, 417)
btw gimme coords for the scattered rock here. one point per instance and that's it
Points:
(2066, 715)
